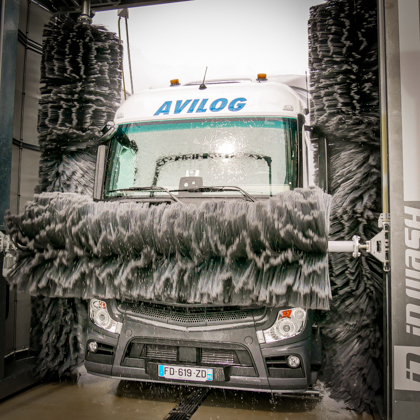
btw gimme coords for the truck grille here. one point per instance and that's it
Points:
(189, 316)
(190, 352)
(229, 358)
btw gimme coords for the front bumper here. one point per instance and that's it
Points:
(235, 355)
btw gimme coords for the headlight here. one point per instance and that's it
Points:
(101, 317)
(289, 323)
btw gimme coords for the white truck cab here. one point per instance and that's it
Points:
(222, 140)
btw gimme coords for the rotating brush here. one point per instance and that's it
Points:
(81, 71)
(345, 107)
(271, 253)
(58, 333)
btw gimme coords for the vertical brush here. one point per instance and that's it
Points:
(81, 71)
(344, 84)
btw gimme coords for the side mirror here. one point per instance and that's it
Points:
(319, 143)
(98, 188)
(108, 130)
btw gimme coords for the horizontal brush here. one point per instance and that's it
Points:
(270, 252)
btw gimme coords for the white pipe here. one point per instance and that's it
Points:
(340, 246)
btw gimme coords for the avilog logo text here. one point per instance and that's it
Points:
(192, 106)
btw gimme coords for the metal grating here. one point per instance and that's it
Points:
(184, 316)
(218, 357)
(157, 352)
(185, 409)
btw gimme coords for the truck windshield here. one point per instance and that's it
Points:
(258, 155)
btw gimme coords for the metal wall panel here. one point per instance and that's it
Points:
(23, 11)
(32, 97)
(9, 338)
(38, 18)
(8, 45)
(33, 29)
(18, 322)
(29, 180)
(24, 162)
(27, 95)
(14, 180)
(18, 91)
(23, 321)
(402, 26)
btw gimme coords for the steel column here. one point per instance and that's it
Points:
(8, 50)
(401, 28)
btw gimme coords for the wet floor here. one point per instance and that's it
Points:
(105, 399)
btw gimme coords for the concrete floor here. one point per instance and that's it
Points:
(95, 398)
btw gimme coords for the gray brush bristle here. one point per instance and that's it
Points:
(345, 106)
(272, 252)
(81, 71)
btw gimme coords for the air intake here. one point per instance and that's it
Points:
(157, 352)
(218, 357)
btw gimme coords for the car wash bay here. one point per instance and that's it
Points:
(21, 392)
(107, 398)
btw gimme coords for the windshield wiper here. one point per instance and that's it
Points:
(148, 189)
(218, 189)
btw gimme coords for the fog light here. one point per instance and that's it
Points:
(93, 346)
(293, 361)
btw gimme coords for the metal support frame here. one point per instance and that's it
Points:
(17, 373)
(378, 246)
(8, 52)
(85, 15)
(399, 30)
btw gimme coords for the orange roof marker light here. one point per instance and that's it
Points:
(175, 82)
(262, 77)
(286, 313)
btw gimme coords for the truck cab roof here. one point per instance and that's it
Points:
(220, 98)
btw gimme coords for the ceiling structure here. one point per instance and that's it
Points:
(75, 6)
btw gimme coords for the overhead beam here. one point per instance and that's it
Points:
(63, 7)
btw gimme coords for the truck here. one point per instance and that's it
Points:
(234, 139)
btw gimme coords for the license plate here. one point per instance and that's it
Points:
(185, 373)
